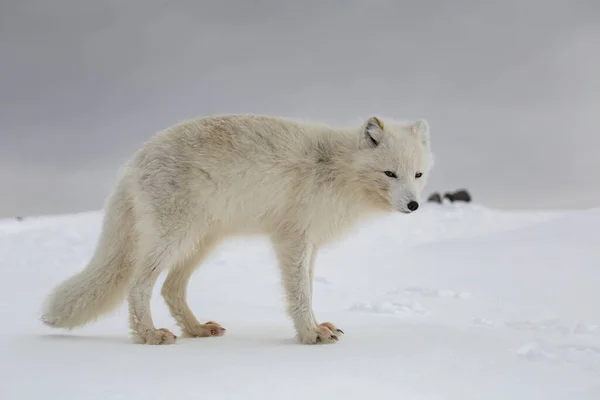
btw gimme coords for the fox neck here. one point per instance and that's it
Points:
(340, 174)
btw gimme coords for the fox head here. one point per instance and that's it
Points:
(393, 161)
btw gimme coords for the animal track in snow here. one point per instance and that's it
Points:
(548, 326)
(388, 308)
(551, 326)
(483, 321)
(429, 292)
(587, 356)
(583, 329)
(322, 279)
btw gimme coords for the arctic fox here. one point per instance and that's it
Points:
(189, 187)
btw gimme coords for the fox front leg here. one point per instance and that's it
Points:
(296, 257)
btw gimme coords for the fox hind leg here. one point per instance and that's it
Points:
(174, 291)
(148, 269)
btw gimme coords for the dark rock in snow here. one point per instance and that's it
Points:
(460, 195)
(434, 198)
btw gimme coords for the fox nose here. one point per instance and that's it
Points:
(413, 205)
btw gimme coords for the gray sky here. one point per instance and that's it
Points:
(511, 89)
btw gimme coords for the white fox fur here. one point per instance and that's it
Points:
(301, 183)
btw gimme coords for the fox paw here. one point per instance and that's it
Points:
(322, 334)
(157, 336)
(207, 329)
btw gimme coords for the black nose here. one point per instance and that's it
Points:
(413, 205)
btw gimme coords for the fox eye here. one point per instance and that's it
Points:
(390, 174)
(418, 175)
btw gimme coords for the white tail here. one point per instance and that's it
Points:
(102, 285)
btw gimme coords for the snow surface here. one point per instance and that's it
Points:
(452, 302)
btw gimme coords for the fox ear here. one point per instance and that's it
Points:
(371, 133)
(421, 129)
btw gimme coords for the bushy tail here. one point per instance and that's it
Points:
(102, 285)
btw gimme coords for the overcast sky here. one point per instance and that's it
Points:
(511, 88)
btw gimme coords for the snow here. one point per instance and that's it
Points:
(452, 302)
